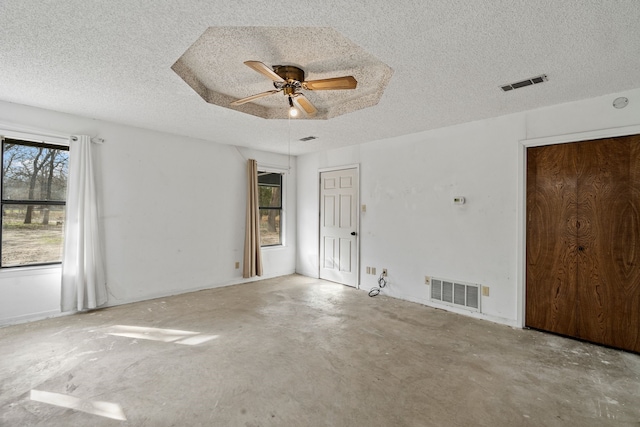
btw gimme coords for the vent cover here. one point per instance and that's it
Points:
(523, 83)
(308, 138)
(457, 294)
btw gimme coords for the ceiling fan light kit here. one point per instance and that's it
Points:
(293, 111)
(290, 81)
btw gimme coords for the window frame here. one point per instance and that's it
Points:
(30, 142)
(281, 209)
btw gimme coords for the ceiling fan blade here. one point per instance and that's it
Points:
(304, 104)
(253, 97)
(264, 70)
(346, 82)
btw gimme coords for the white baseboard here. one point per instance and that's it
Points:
(169, 293)
(482, 316)
(154, 295)
(31, 317)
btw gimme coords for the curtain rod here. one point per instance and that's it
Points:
(95, 140)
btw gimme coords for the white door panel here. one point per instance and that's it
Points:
(339, 226)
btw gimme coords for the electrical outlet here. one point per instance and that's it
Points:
(485, 291)
(427, 280)
(368, 270)
(384, 272)
(364, 208)
(237, 265)
(373, 270)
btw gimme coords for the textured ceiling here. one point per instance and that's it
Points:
(210, 68)
(112, 61)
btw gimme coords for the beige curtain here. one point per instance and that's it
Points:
(252, 255)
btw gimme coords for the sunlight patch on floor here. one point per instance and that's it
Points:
(103, 409)
(157, 334)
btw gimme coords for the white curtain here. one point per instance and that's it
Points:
(83, 277)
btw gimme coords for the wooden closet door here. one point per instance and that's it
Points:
(551, 275)
(609, 242)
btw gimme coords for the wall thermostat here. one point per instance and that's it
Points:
(458, 200)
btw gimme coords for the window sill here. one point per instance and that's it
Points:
(272, 248)
(35, 270)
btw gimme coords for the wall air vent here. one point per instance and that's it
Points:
(523, 83)
(457, 294)
(308, 138)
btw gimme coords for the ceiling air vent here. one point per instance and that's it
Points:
(308, 138)
(523, 83)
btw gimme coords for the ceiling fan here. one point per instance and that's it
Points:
(290, 80)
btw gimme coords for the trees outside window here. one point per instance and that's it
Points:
(270, 201)
(34, 189)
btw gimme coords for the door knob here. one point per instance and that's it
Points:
(353, 233)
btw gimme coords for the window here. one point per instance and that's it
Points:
(270, 201)
(34, 189)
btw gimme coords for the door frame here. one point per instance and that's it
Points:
(355, 166)
(521, 269)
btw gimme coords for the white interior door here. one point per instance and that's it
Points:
(339, 226)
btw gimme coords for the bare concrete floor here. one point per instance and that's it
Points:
(296, 351)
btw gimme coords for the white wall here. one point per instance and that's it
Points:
(173, 207)
(173, 210)
(411, 226)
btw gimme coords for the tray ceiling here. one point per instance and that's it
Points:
(213, 71)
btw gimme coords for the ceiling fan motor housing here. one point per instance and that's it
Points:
(292, 76)
(289, 72)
